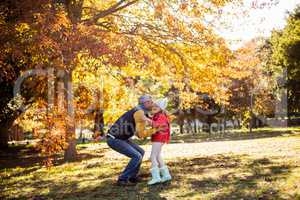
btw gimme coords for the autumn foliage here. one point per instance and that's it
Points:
(112, 51)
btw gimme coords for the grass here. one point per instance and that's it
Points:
(239, 134)
(92, 176)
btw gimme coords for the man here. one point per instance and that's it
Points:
(131, 123)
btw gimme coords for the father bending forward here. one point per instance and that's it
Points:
(130, 123)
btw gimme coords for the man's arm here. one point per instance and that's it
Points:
(140, 125)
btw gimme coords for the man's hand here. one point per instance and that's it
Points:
(148, 121)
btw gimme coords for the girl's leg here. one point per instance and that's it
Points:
(159, 157)
(163, 168)
(156, 148)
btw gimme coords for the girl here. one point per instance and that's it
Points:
(159, 170)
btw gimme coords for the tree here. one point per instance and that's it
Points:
(284, 56)
(252, 93)
(165, 40)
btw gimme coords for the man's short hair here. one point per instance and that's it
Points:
(144, 98)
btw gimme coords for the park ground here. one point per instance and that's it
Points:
(262, 165)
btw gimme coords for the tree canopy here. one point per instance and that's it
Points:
(105, 54)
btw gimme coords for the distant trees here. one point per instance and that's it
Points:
(285, 56)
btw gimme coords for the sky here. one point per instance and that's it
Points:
(253, 19)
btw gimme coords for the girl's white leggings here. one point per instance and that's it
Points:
(156, 158)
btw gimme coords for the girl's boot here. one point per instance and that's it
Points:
(165, 174)
(155, 176)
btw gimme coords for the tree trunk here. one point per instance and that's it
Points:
(4, 132)
(195, 127)
(181, 128)
(3, 137)
(81, 138)
(99, 123)
(209, 122)
(99, 116)
(70, 152)
(74, 10)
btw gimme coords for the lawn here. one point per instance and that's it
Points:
(228, 175)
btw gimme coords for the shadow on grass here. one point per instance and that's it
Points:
(106, 189)
(254, 179)
(28, 157)
(213, 177)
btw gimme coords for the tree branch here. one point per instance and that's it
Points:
(114, 8)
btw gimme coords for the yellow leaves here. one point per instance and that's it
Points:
(220, 2)
(179, 85)
(197, 10)
(22, 28)
(187, 99)
(205, 68)
(131, 70)
(61, 22)
(116, 96)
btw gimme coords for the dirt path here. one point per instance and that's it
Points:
(279, 146)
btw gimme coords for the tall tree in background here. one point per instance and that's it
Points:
(253, 92)
(285, 55)
(168, 41)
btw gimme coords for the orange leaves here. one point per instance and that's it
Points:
(183, 6)
(250, 79)
(159, 7)
(52, 131)
(170, 21)
(199, 27)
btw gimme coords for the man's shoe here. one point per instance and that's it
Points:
(125, 183)
(135, 179)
